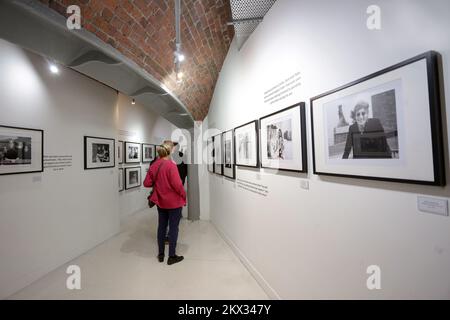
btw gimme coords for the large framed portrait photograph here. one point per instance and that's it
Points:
(283, 139)
(148, 152)
(121, 179)
(386, 126)
(132, 152)
(132, 177)
(229, 169)
(21, 150)
(247, 146)
(99, 153)
(218, 168)
(120, 152)
(210, 154)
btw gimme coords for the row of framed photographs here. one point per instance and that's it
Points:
(97, 152)
(386, 126)
(131, 179)
(276, 141)
(22, 151)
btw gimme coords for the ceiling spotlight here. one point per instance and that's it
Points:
(180, 57)
(179, 76)
(133, 101)
(54, 69)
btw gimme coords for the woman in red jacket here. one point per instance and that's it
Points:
(169, 196)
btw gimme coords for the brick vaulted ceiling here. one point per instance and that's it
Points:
(144, 31)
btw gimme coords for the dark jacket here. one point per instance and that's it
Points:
(371, 143)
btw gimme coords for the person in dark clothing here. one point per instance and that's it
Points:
(366, 137)
(182, 168)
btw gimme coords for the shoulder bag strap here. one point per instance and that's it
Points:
(157, 171)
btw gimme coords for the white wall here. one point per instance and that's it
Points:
(317, 243)
(204, 175)
(49, 218)
(136, 123)
(46, 223)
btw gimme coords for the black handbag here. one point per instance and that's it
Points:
(151, 204)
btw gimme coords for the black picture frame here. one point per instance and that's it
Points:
(218, 168)
(256, 128)
(210, 166)
(233, 166)
(143, 145)
(434, 108)
(303, 139)
(127, 169)
(121, 180)
(40, 157)
(88, 164)
(138, 158)
(120, 154)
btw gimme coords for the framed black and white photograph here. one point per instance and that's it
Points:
(210, 154)
(247, 146)
(386, 126)
(132, 152)
(21, 150)
(121, 179)
(217, 142)
(132, 177)
(148, 152)
(229, 169)
(120, 152)
(98, 152)
(283, 139)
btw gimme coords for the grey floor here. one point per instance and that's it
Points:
(125, 267)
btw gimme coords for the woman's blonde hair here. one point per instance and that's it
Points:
(164, 150)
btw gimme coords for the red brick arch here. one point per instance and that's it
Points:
(144, 31)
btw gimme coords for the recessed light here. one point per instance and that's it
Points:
(54, 69)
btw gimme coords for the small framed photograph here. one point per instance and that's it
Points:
(121, 179)
(283, 139)
(386, 126)
(120, 152)
(148, 152)
(247, 146)
(229, 169)
(98, 153)
(132, 152)
(210, 154)
(218, 161)
(21, 150)
(132, 177)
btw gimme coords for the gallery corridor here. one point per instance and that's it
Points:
(126, 267)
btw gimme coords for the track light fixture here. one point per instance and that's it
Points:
(53, 68)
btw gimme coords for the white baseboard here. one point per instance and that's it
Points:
(255, 273)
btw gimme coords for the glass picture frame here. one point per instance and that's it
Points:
(218, 166)
(148, 152)
(132, 152)
(132, 177)
(385, 126)
(99, 153)
(120, 152)
(228, 147)
(283, 139)
(247, 145)
(121, 180)
(210, 154)
(21, 150)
